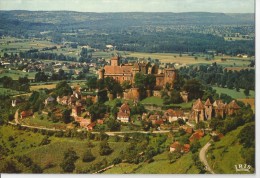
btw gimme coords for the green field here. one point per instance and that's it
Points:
(42, 121)
(10, 92)
(152, 100)
(15, 74)
(233, 93)
(227, 153)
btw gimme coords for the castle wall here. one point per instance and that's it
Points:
(132, 94)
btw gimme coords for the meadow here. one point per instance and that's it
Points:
(233, 93)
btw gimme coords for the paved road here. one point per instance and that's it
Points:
(16, 116)
(108, 133)
(203, 158)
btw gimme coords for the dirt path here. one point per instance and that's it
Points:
(203, 157)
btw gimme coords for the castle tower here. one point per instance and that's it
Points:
(135, 70)
(115, 61)
(208, 109)
(169, 76)
(101, 73)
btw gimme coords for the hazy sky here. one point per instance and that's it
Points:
(226, 6)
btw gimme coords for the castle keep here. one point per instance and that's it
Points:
(127, 72)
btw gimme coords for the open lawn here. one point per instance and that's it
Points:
(233, 93)
(226, 153)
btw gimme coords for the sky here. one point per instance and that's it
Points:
(225, 6)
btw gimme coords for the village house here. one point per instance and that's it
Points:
(25, 114)
(197, 135)
(174, 115)
(49, 100)
(76, 110)
(154, 118)
(124, 113)
(177, 147)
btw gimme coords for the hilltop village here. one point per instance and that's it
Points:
(82, 110)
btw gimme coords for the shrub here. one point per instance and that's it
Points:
(88, 156)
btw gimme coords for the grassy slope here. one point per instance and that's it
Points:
(28, 143)
(152, 100)
(234, 93)
(227, 153)
(161, 165)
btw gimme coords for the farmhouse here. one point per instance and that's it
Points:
(124, 113)
(173, 115)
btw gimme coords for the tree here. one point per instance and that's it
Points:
(69, 159)
(63, 89)
(175, 97)
(88, 156)
(36, 168)
(92, 82)
(40, 77)
(150, 81)
(195, 146)
(246, 91)
(9, 166)
(84, 57)
(194, 88)
(66, 116)
(97, 110)
(113, 125)
(247, 136)
(104, 148)
(126, 84)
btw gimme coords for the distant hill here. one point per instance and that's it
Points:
(128, 18)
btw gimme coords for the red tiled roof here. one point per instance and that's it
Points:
(233, 105)
(125, 107)
(175, 145)
(159, 122)
(186, 148)
(26, 113)
(118, 69)
(198, 105)
(169, 112)
(208, 103)
(197, 135)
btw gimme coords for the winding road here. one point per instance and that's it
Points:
(203, 157)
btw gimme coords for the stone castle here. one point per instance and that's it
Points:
(126, 72)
